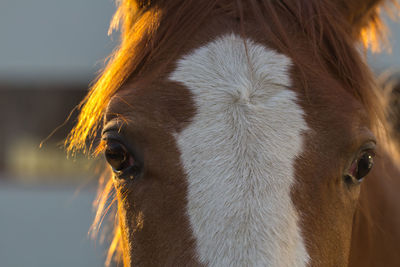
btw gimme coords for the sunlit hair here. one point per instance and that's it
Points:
(151, 28)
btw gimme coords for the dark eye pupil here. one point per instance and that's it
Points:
(116, 156)
(365, 164)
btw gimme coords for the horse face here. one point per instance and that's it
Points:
(226, 159)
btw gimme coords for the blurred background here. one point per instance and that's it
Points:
(50, 51)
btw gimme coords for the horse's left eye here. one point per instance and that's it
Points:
(361, 167)
(364, 165)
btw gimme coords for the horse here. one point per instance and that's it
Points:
(244, 133)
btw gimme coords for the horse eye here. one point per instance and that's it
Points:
(364, 165)
(117, 156)
(360, 167)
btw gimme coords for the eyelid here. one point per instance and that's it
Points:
(113, 126)
(112, 135)
(368, 146)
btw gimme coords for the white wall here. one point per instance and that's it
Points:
(54, 38)
(47, 227)
(385, 59)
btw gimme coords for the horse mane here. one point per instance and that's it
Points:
(151, 28)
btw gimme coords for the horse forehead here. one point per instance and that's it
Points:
(238, 153)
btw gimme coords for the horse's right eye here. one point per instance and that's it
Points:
(118, 156)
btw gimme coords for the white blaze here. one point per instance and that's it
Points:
(239, 152)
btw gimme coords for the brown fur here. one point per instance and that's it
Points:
(339, 98)
(163, 213)
(376, 226)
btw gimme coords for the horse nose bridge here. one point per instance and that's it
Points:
(238, 154)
